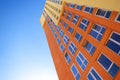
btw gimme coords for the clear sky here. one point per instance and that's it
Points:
(24, 52)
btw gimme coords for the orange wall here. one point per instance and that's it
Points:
(62, 68)
(58, 58)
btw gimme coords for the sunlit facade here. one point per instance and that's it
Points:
(84, 39)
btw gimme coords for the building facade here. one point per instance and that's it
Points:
(84, 39)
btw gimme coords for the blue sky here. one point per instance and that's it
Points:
(24, 52)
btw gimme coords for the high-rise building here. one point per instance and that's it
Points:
(84, 38)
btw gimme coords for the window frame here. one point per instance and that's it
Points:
(117, 17)
(69, 15)
(114, 42)
(69, 29)
(76, 20)
(104, 14)
(98, 32)
(89, 10)
(76, 73)
(80, 37)
(62, 33)
(61, 45)
(81, 60)
(84, 24)
(87, 42)
(74, 49)
(77, 8)
(66, 38)
(93, 75)
(67, 60)
(109, 66)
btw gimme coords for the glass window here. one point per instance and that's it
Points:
(58, 41)
(75, 72)
(97, 31)
(75, 19)
(65, 25)
(93, 75)
(67, 57)
(114, 43)
(71, 5)
(103, 13)
(64, 14)
(78, 7)
(89, 47)
(61, 33)
(118, 18)
(78, 37)
(70, 30)
(83, 24)
(108, 65)
(66, 39)
(72, 48)
(61, 21)
(58, 28)
(82, 61)
(69, 16)
(88, 9)
(62, 48)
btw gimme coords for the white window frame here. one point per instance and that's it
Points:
(86, 11)
(92, 74)
(66, 59)
(75, 19)
(66, 39)
(76, 69)
(104, 14)
(84, 23)
(97, 31)
(72, 48)
(81, 60)
(114, 42)
(79, 37)
(103, 66)
(117, 17)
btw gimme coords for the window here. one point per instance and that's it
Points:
(82, 61)
(88, 9)
(58, 41)
(70, 30)
(78, 37)
(103, 13)
(61, 21)
(89, 47)
(108, 65)
(78, 7)
(75, 19)
(54, 34)
(62, 48)
(65, 25)
(93, 75)
(58, 28)
(61, 33)
(114, 43)
(97, 31)
(64, 14)
(71, 5)
(75, 72)
(118, 18)
(69, 16)
(66, 39)
(84, 23)
(67, 57)
(72, 48)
